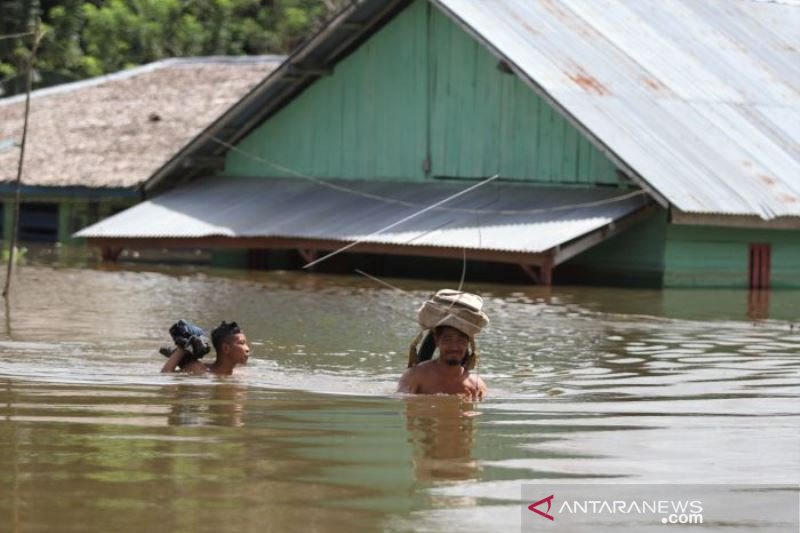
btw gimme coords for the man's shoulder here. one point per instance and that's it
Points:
(414, 376)
(424, 367)
(195, 367)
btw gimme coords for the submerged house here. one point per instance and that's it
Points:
(92, 144)
(626, 142)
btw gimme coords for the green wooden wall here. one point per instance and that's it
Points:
(659, 254)
(421, 90)
(486, 122)
(365, 121)
(635, 257)
(698, 256)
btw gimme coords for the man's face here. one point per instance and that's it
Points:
(452, 345)
(237, 348)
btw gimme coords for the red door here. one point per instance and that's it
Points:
(760, 264)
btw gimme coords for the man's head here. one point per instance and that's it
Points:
(452, 344)
(229, 342)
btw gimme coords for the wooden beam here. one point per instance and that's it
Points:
(540, 274)
(546, 274)
(309, 256)
(351, 26)
(581, 244)
(205, 162)
(300, 69)
(532, 273)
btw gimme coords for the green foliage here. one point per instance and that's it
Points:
(87, 38)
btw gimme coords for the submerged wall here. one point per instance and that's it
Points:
(633, 258)
(702, 256)
(58, 217)
(658, 254)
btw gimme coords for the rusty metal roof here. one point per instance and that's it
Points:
(699, 99)
(500, 217)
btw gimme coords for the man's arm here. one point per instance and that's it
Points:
(173, 360)
(409, 384)
(482, 391)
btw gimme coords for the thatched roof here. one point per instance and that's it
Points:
(116, 130)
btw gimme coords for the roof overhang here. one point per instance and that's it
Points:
(509, 223)
(733, 221)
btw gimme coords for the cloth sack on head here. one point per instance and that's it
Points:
(457, 309)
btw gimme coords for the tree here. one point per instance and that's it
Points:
(89, 38)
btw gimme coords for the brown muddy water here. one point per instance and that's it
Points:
(587, 385)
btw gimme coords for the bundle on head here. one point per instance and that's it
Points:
(456, 309)
(191, 338)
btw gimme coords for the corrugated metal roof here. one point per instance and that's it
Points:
(502, 217)
(699, 98)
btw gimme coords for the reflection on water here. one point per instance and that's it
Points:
(222, 405)
(587, 384)
(442, 432)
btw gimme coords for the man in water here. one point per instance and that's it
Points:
(231, 347)
(448, 373)
(452, 320)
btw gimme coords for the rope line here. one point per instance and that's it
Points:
(401, 221)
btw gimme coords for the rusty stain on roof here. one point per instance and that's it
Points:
(556, 9)
(653, 84)
(588, 83)
(767, 180)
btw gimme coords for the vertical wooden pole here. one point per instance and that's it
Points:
(37, 38)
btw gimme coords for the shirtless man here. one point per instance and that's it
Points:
(231, 346)
(447, 373)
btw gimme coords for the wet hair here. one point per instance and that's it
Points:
(223, 332)
(427, 348)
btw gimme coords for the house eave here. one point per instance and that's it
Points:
(733, 221)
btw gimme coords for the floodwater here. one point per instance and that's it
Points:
(593, 385)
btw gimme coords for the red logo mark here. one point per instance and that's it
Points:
(549, 500)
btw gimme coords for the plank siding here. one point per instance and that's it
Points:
(633, 258)
(421, 87)
(718, 257)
